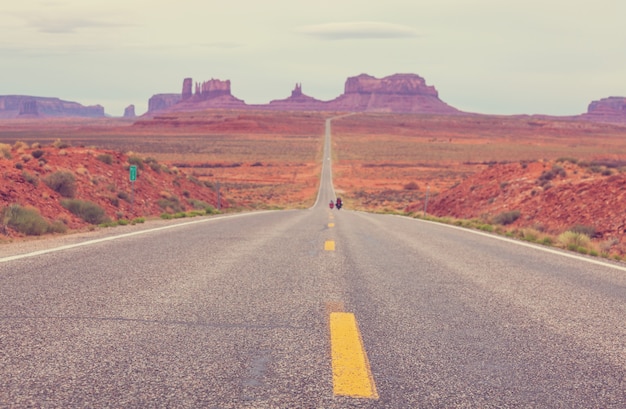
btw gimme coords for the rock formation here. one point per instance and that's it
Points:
(187, 85)
(363, 93)
(28, 107)
(160, 102)
(208, 94)
(129, 111)
(211, 89)
(611, 109)
(12, 106)
(298, 101)
(400, 84)
(396, 93)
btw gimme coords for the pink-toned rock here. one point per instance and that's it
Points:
(12, 106)
(396, 93)
(611, 109)
(29, 108)
(211, 89)
(187, 89)
(398, 84)
(129, 111)
(363, 93)
(161, 102)
(298, 101)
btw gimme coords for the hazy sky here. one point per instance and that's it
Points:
(488, 56)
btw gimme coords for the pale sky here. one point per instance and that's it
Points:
(489, 56)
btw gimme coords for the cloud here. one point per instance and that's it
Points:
(69, 24)
(358, 30)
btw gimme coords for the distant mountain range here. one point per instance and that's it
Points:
(399, 93)
(24, 106)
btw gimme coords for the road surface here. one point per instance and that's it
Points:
(312, 308)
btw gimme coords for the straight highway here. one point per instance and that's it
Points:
(312, 308)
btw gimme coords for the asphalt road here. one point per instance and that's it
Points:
(233, 312)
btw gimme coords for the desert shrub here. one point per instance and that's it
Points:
(505, 218)
(123, 196)
(62, 182)
(19, 165)
(194, 180)
(137, 220)
(37, 153)
(198, 204)
(567, 159)
(59, 144)
(171, 203)
(88, 211)
(5, 149)
(573, 240)
(30, 178)
(411, 186)
(211, 210)
(137, 161)
(19, 146)
(531, 235)
(24, 220)
(548, 175)
(57, 226)
(105, 158)
(589, 231)
(256, 164)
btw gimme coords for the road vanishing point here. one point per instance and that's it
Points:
(314, 308)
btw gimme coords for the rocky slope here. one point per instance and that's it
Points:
(101, 177)
(550, 196)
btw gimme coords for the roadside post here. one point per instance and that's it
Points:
(132, 177)
(426, 201)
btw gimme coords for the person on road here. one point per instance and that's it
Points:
(339, 203)
(331, 204)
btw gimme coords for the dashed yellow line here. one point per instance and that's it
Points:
(331, 224)
(352, 375)
(329, 245)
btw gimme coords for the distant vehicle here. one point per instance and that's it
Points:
(331, 204)
(339, 203)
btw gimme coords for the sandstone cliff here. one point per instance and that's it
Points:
(12, 106)
(396, 93)
(364, 93)
(611, 109)
(160, 102)
(297, 101)
(129, 111)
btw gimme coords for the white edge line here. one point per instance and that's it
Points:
(522, 243)
(120, 236)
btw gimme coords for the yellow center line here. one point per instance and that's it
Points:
(352, 375)
(329, 245)
(331, 224)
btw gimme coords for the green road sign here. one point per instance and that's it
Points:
(133, 173)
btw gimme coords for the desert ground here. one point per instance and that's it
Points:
(555, 172)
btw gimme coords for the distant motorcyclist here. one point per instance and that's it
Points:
(339, 203)
(331, 204)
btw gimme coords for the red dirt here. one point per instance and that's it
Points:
(593, 196)
(96, 182)
(469, 166)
